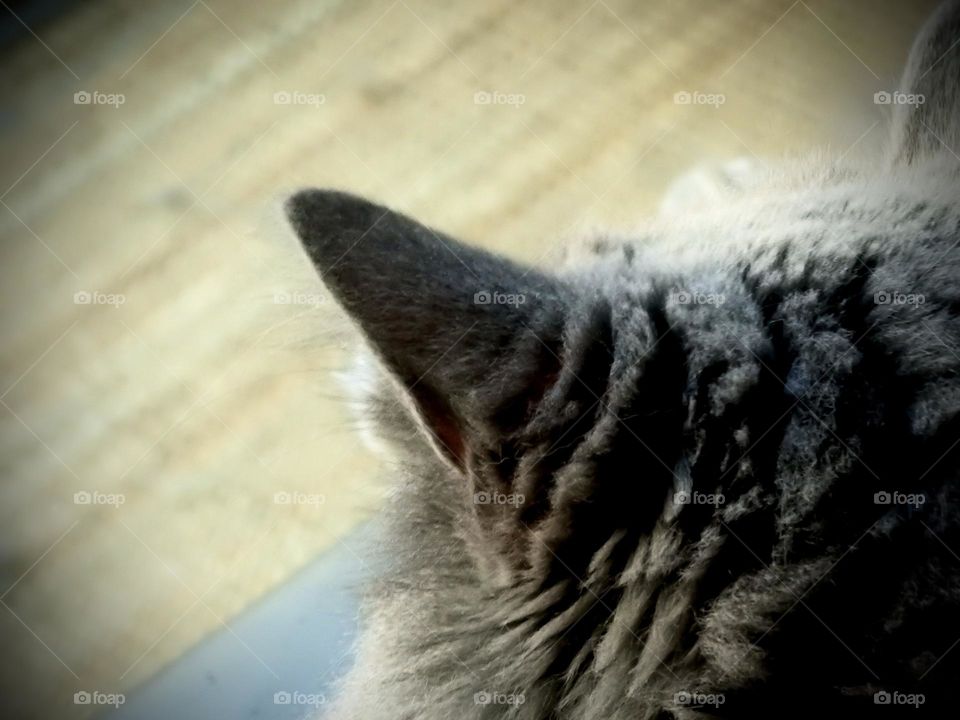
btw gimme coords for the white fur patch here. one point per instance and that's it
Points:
(362, 381)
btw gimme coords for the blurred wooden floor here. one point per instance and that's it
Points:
(202, 395)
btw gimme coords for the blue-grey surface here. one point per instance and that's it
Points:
(302, 635)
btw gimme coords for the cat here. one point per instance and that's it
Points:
(706, 471)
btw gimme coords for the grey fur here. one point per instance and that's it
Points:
(796, 393)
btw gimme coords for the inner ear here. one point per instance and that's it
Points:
(441, 422)
(462, 330)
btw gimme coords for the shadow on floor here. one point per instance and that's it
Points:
(277, 661)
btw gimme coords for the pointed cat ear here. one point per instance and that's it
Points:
(926, 115)
(471, 337)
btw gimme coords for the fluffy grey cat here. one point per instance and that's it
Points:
(706, 471)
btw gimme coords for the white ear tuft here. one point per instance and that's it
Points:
(364, 381)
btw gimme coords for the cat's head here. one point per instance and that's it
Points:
(569, 397)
